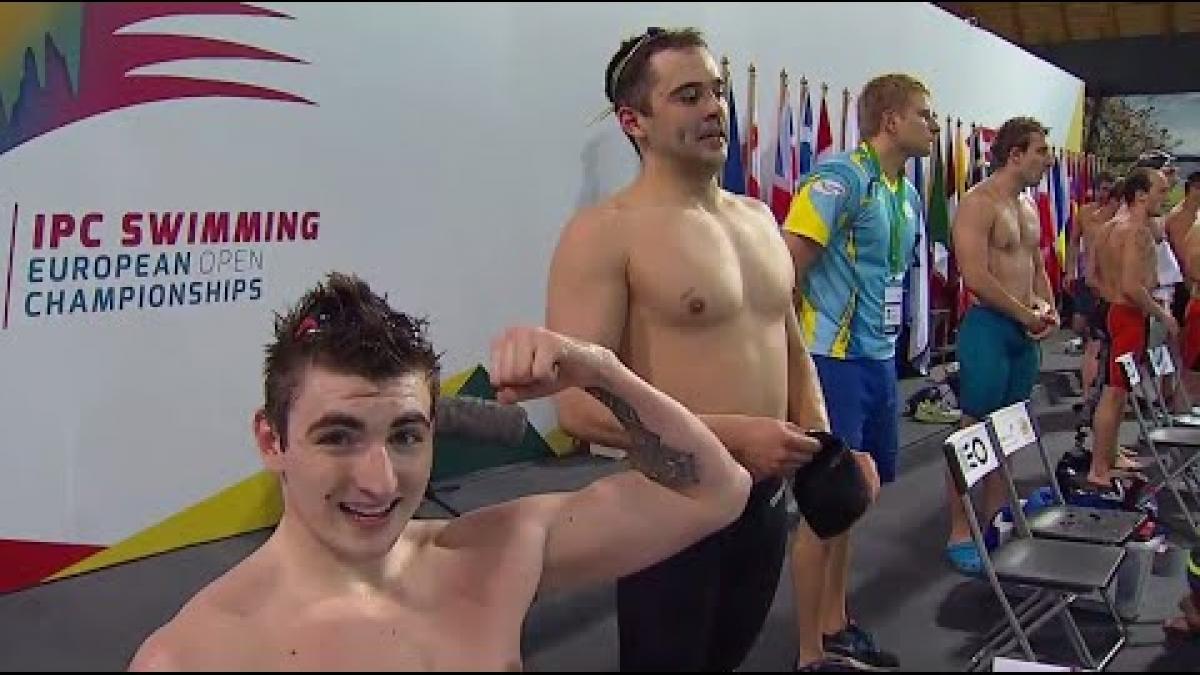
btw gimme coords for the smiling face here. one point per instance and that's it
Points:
(350, 385)
(357, 458)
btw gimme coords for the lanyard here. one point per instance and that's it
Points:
(895, 203)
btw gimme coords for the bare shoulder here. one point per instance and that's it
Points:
(593, 239)
(1124, 236)
(160, 652)
(978, 205)
(755, 208)
(754, 211)
(1140, 236)
(217, 615)
(186, 642)
(978, 197)
(600, 222)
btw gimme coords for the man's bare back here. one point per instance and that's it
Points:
(1094, 223)
(1127, 248)
(467, 582)
(1191, 260)
(708, 294)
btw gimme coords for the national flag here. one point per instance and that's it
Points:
(962, 155)
(750, 155)
(943, 286)
(938, 219)
(917, 300)
(850, 121)
(824, 133)
(733, 178)
(804, 146)
(1048, 234)
(1062, 209)
(783, 180)
(981, 152)
(951, 169)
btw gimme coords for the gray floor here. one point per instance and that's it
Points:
(901, 589)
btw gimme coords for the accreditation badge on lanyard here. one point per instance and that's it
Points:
(895, 203)
(893, 290)
(893, 306)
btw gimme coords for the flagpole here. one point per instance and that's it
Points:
(845, 114)
(725, 76)
(752, 77)
(804, 168)
(753, 179)
(825, 104)
(803, 97)
(783, 79)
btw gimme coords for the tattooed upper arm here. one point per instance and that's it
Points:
(660, 462)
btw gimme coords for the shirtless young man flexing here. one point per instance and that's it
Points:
(349, 582)
(996, 237)
(692, 287)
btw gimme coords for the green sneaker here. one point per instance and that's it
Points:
(936, 412)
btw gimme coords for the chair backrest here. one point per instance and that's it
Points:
(1146, 407)
(1013, 427)
(1128, 364)
(1161, 361)
(1150, 395)
(1162, 365)
(1016, 429)
(971, 455)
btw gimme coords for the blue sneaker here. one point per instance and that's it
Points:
(965, 559)
(857, 646)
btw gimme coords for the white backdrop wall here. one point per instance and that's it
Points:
(446, 147)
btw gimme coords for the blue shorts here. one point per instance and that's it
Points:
(860, 397)
(998, 363)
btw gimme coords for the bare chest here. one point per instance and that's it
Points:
(704, 270)
(1016, 228)
(456, 637)
(454, 612)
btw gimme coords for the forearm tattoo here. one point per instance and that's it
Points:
(660, 462)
